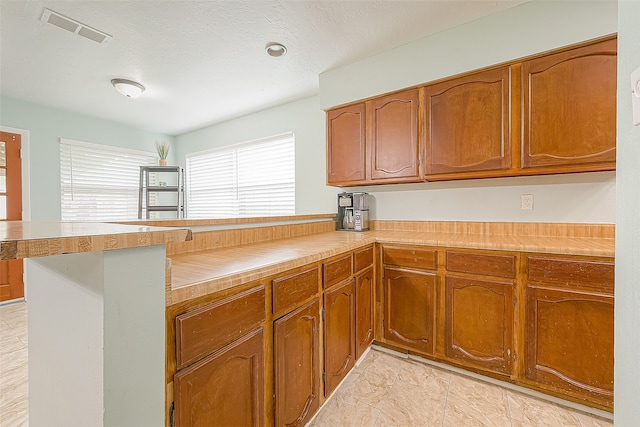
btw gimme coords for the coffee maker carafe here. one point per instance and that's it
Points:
(353, 212)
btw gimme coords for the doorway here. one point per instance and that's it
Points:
(11, 281)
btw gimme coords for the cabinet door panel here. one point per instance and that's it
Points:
(297, 370)
(339, 334)
(479, 322)
(409, 313)
(224, 389)
(569, 341)
(468, 123)
(364, 312)
(346, 155)
(395, 148)
(570, 108)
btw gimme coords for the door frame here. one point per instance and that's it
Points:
(26, 190)
(26, 183)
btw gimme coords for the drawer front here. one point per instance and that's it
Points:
(291, 290)
(336, 271)
(205, 330)
(495, 265)
(362, 258)
(572, 272)
(410, 256)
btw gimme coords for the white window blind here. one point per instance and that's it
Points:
(252, 179)
(100, 182)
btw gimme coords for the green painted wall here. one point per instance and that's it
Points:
(46, 126)
(627, 308)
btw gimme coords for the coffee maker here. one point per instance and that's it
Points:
(353, 212)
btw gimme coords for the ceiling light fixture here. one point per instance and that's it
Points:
(275, 49)
(128, 88)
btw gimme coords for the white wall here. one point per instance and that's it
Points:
(627, 310)
(524, 30)
(305, 119)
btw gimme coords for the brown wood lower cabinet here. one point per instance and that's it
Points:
(225, 388)
(569, 326)
(479, 322)
(409, 308)
(569, 342)
(365, 321)
(296, 352)
(339, 334)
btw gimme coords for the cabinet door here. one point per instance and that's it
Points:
(339, 334)
(296, 354)
(468, 127)
(224, 389)
(394, 144)
(364, 311)
(346, 145)
(569, 342)
(569, 109)
(409, 308)
(479, 322)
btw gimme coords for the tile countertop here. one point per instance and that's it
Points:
(28, 239)
(200, 273)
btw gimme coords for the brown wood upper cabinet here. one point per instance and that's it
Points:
(346, 155)
(554, 113)
(468, 126)
(375, 142)
(569, 109)
(394, 144)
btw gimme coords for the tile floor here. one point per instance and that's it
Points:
(14, 384)
(383, 390)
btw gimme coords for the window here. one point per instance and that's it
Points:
(252, 179)
(100, 182)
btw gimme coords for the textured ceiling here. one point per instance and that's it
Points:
(203, 62)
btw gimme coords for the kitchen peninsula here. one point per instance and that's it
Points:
(95, 321)
(306, 300)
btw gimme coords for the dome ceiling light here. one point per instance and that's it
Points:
(275, 49)
(128, 88)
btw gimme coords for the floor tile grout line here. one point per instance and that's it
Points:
(446, 399)
(509, 407)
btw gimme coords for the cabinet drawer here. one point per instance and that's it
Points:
(410, 256)
(572, 272)
(336, 271)
(291, 290)
(362, 258)
(484, 264)
(205, 330)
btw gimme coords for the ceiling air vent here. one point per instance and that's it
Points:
(61, 21)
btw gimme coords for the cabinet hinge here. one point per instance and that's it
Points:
(172, 415)
(515, 300)
(324, 376)
(322, 313)
(514, 356)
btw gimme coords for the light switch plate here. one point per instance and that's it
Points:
(635, 96)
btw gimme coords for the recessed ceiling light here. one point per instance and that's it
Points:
(128, 88)
(275, 49)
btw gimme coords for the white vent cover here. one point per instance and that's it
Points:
(61, 21)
